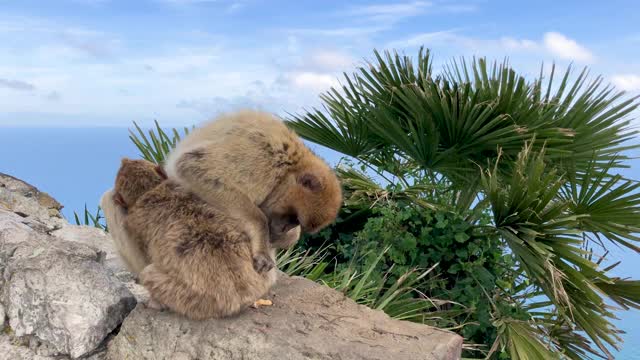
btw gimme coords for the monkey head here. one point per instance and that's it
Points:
(134, 178)
(309, 196)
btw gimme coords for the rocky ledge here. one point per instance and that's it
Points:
(64, 294)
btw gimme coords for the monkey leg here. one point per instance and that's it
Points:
(133, 257)
(180, 297)
(254, 221)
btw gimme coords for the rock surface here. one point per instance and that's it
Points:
(306, 321)
(64, 292)
(59, 294)
(95, 238)
(27, 201)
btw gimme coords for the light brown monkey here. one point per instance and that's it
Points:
(200, 262)
(136, 177)
(253, 166)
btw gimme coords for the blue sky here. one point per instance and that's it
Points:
(109, 62)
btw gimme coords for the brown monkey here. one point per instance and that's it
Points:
(253, 166)
(134, 178)
(201, 263)
(200, 260)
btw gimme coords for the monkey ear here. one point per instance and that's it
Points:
(118, 199)
(310, 182)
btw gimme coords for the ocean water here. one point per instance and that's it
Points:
(76, 166)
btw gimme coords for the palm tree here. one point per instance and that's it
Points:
(541, 156)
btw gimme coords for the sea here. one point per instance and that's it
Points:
(77, 165)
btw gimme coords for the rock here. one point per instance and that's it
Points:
(57, 294)
(306, 321)
(13, 350)
(95, 238)
(64, 292)
(3, 317)
(27, 201)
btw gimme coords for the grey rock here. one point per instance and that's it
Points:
(63, 290)
(28, 202)
(57, 294)
(95, 238)
(3, 317)
(11, 349)
(306, 321)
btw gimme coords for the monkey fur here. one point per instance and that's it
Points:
(252, 178)
(197, 260)
(253, 166)
(134, 178)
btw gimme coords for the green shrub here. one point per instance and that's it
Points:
(538, 156)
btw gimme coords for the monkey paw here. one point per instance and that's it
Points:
(154, 304)
(263, 263)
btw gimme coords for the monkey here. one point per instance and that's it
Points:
(249, 166)
(136, 177)
(200, 262)
(253, 165)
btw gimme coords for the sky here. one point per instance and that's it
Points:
(85, 63)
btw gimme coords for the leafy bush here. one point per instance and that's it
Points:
(538, 156)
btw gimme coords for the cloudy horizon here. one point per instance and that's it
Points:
(109, 62)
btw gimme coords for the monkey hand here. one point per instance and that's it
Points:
(263, 263)
(154, 304)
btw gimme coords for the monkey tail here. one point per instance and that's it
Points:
(133, 257)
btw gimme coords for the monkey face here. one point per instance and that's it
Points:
(283, 240)
(317, 200)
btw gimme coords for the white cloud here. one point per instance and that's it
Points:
(330, 60)
(313, 81)
(186, 60)
(519, 44)
(566, 48)
(554, 44)
(53, 96)
(347, 32)
(426, 39)
(627, 82)
(16, 85)
(390, 12)
(395, 12)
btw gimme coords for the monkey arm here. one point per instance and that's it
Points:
(131, 254)
(238, 205)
